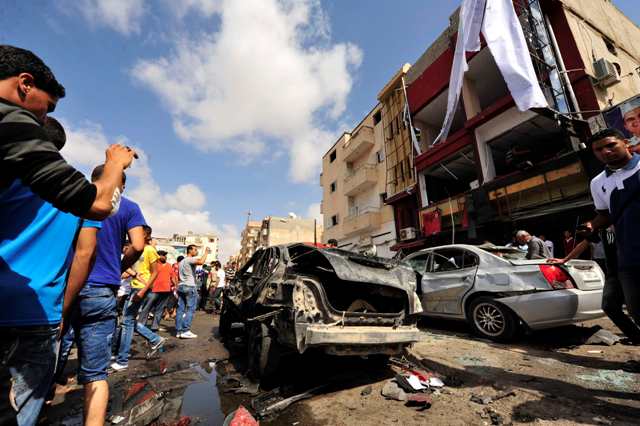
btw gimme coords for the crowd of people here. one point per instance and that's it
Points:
(77, 259)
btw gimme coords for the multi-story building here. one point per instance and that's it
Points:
(178, 243)
(291, 229)
(401, 187)
(249, 241)
(354, 184)
(501, 169)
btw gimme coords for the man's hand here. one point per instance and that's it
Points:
(120, 154)
(556, 260)
(139, 295)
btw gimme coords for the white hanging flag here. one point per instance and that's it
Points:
(503, 33)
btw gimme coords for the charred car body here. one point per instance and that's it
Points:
(298, 296)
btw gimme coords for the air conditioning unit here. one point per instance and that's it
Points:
(605, 72)
(407, 234)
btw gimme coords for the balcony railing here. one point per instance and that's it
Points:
(364, 220)
(360, 143)
(361, 179)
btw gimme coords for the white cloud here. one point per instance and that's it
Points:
(313, 212)
(203, 7)
(123, 16)
(166, 212)
(269, 74)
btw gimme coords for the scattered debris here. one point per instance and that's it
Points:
(504, 394)
(366, 391)
(421, 401)
(240, 417)
(619, 379)
(471, 361)
(481, 399)
(496, 418)
(147, 411)
(272, 402)
(603, 337)
(595, 352)
(116, 420)
(602, 421)
(391, 390)
(435, 382)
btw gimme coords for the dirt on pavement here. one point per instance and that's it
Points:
(546, 377)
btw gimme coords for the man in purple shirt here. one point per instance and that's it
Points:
(93, 318)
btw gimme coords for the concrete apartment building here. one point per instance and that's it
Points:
(291, 229)
(249, 241)
(176, 245)
(353, 184)
(500, 169)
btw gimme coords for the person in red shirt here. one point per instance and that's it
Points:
(160, 293)
(569, 243)
(171, 304)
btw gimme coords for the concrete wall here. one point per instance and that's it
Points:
(591, 21)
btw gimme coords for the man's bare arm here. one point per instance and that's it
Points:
(81, 265)
(132, 254)
(203, 258)
(601, 221)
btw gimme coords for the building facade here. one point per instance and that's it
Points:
(501, 169)
(248, 242)
(291, 229)
(354, 181)
(177, 244)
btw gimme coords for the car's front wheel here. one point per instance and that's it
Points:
(492, 320)
(263, 351)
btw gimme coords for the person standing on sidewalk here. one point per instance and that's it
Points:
(93, 317)
(221, 283)
(160, 293)
(188, 292)
(140, 286)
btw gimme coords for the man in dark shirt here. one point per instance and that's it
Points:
(28, 92)
(536, 248)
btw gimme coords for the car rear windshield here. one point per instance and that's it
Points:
(507, 253)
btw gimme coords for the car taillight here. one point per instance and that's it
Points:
(557, 277)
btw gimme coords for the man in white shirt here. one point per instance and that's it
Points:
(218, 275)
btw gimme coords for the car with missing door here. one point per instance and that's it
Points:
(291, 298)
(499, 292)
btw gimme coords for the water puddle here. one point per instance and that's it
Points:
(201, 401)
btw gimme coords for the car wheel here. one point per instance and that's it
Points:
(263, 352)
(491, 319)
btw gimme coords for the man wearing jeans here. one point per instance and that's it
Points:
(93, 318)
(187, 291)
(147, 272)
(160, 293)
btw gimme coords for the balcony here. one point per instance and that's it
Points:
(360, 143)
(364, 221)
(361, 179)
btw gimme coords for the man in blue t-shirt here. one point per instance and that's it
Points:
(93, 318)
(35, 254)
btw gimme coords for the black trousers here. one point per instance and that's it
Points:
(624, 289)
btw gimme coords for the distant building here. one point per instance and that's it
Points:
(248, 242)
(177, 245)
(291, 229)
(354, 181)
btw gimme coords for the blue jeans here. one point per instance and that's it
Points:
(129, 325)
(92, 324)
(155, 302)
(27, 364)
(187, 301)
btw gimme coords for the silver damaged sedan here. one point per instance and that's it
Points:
(498, 292)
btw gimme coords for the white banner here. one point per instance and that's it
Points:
(505, 39)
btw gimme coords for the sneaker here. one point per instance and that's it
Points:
(155, 348)
(188, 335)
(179, 335)
(118, 367)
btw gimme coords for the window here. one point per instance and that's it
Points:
(334, 186)
(379, 156)
(383, 197)
(610, 46)
(334, 220)
(332, 156)
(377, 117)
(419, 263)
(445, 260)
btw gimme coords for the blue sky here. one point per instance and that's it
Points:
(232, 103)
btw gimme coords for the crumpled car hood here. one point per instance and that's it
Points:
(355, 267)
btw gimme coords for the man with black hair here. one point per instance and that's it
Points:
(616, 196)
(187, 291)
(146, 273)
(28, 92)
(94, 315)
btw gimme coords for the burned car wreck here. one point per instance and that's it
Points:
(294, 297)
